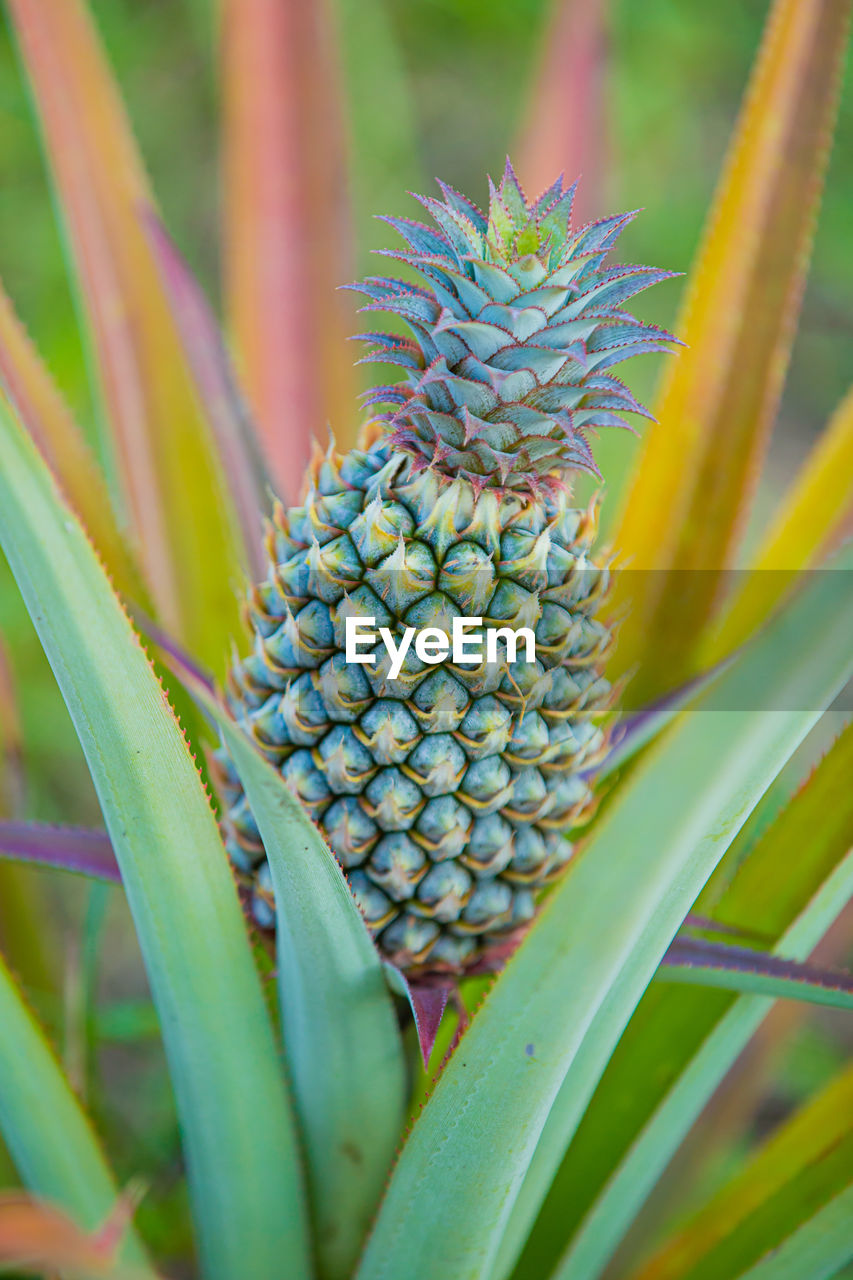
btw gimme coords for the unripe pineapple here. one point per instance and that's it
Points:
(447, 792)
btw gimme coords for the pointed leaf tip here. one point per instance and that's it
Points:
(427, 1001)
(428, 1005)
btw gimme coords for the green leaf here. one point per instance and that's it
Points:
(343, 1045)
(680, 1043)
(552, 1019)
(782, 1214)
(626, 1190)
(44, 1126)
(236, 1123)
(818, 1249)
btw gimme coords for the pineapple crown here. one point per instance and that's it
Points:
(514, 330)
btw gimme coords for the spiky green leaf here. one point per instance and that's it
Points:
(343, 1046)
(231, 1098)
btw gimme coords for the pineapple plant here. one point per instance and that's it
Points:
(521, 937)
(446, 790)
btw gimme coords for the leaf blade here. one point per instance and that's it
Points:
(684, 511)
(287, 247)
(629, 1135)
(574, 981)
(814, 515)
(754, 972)
(44, 413)
(37, 1238)
(819, 1248)
(44, 1126)
(216, 1030)
(752, 1225)
(177, 501)
(343, 1047)
(565, 129)
(217, 388)
(88, 852)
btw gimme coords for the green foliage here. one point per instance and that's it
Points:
(246, 1184)
(343, 1045)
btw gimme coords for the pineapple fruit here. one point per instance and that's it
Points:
(446, 790)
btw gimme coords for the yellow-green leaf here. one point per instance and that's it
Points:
(802, 1167)
(687, 503)
(23, 942)
(177, 503)
(48, 419)
(815, 514)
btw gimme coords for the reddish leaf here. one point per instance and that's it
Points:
(565, 129)
(37, 1237)
(287, 234)
(88, 852)
(721, 961)
(427, 1000)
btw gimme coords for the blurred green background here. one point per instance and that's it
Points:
(432, 87)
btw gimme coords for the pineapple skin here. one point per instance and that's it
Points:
(446, 793)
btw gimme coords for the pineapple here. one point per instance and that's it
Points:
(446, 789)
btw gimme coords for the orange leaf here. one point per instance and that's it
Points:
(287, 244)
(815, 515)
(44, 413)
(688, 501)
(177, 501)
(564, 130)
(37, 1237)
